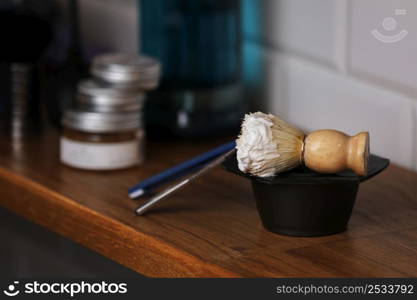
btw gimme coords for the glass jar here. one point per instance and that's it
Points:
(101, 141)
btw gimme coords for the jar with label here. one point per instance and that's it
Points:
(101, 141)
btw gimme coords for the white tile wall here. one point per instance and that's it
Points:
(389, 56)
(377, 91)
(306, 27)
(316, 98)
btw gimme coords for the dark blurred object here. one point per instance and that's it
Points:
(199, 45)
(64, 76)
(25, 33)
(20, 97)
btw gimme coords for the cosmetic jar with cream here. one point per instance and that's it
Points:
(104, 129)
(101, 141)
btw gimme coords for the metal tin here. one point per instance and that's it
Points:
(19, 100)
(142, 72)
(102, 97)
(99, 122)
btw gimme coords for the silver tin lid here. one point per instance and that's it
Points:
(102, 97)
(94, 88)
(128, 70)
(95, 122)
(92, 107)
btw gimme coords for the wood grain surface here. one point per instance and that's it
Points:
(209, 229)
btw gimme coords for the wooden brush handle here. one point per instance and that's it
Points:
(332, 151)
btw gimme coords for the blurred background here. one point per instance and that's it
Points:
(315, 63)
(344, 64)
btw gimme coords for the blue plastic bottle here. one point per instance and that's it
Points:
(199, 45)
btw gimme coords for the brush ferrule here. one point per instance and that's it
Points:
(302, 150)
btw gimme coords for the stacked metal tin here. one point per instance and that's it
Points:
(119, 84)
(110, 102)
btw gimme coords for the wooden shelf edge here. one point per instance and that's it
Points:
(138, 251)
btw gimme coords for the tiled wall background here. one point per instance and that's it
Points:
(321, 67)
(324, 69)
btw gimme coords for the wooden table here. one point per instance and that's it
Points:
(209, 229)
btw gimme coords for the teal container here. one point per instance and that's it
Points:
(199, 46)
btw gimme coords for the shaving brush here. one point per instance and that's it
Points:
(268, 145)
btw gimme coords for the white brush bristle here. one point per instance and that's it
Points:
(268, 145)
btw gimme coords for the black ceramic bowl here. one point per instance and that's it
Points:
(302, 202)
